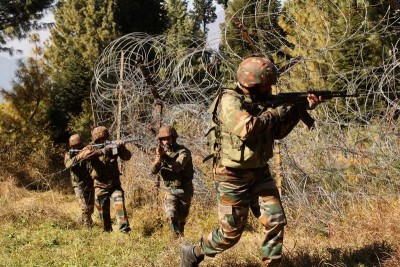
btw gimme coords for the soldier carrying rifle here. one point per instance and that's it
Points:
(80, 178)
(105, 172)
(174, 162)
(241, 139)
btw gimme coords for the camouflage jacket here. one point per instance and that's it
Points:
(104, 168)
(176, 166)
(242, 134)
(79, 169)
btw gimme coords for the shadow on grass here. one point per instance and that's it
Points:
(371, 255)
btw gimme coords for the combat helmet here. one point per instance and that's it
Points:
(166, 131)
(75, 140)
(256, 70)
(100, 132)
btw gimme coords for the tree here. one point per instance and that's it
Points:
(308, 27)
(140, 16)
(224, 3)
(24, 132)
(18, 18)
(31, 88)
(180, 25)
(347, 52)
(259, 18)
(204, 13)
(83, 28)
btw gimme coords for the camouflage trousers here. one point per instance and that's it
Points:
(85, 197)
(235, 198)
(177, 209)
(103, 197)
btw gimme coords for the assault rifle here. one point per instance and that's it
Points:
(299, 99)
(112, 144)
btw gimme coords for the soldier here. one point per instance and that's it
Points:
(242, 140)
(107, 184)
(174, 162)
(80, 178)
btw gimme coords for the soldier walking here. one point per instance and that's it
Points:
(105, 172)
(174, 163)
(242, 140)
(80, 178)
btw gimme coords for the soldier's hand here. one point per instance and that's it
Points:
(160, 151)
(314, 101)
(84, 154)
(120, 142)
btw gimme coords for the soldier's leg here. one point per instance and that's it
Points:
(79, 193)
(272, 217)
(171, 212)
(119, 204)
(102, 203)
(184, 207)
(90, 201)
(233, 206)
(88, 195)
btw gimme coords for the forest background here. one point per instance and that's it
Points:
(340, 182)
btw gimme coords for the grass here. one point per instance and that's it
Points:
(40, 229)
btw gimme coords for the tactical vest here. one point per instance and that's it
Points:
(176, 179)
(228, 149)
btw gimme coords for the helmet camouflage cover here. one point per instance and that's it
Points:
(166, 131)
(255, 70)
(99, 132)
(74, 140)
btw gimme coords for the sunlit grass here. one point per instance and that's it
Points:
(40, 229)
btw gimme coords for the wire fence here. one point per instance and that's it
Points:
(345, 158)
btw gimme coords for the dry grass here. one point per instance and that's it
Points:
(40, 229)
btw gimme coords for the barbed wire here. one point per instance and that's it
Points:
(352, 150)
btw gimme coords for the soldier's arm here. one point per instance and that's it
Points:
(70, 161)
(240, 122)
(289, 119)
(156, 165)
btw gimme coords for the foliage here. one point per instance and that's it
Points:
(140, 16)
(355, 44)
(18, 18)
(82, 30)
(82, 123)
(27, 149)
(224, 3)
(204, 13)
(265, 40)
(180, 25)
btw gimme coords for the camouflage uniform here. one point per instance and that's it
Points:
(176, 169)
(242, 139)
(83, 186)
(107, 183)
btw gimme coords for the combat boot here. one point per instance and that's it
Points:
(188, 258)
(272, 262)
